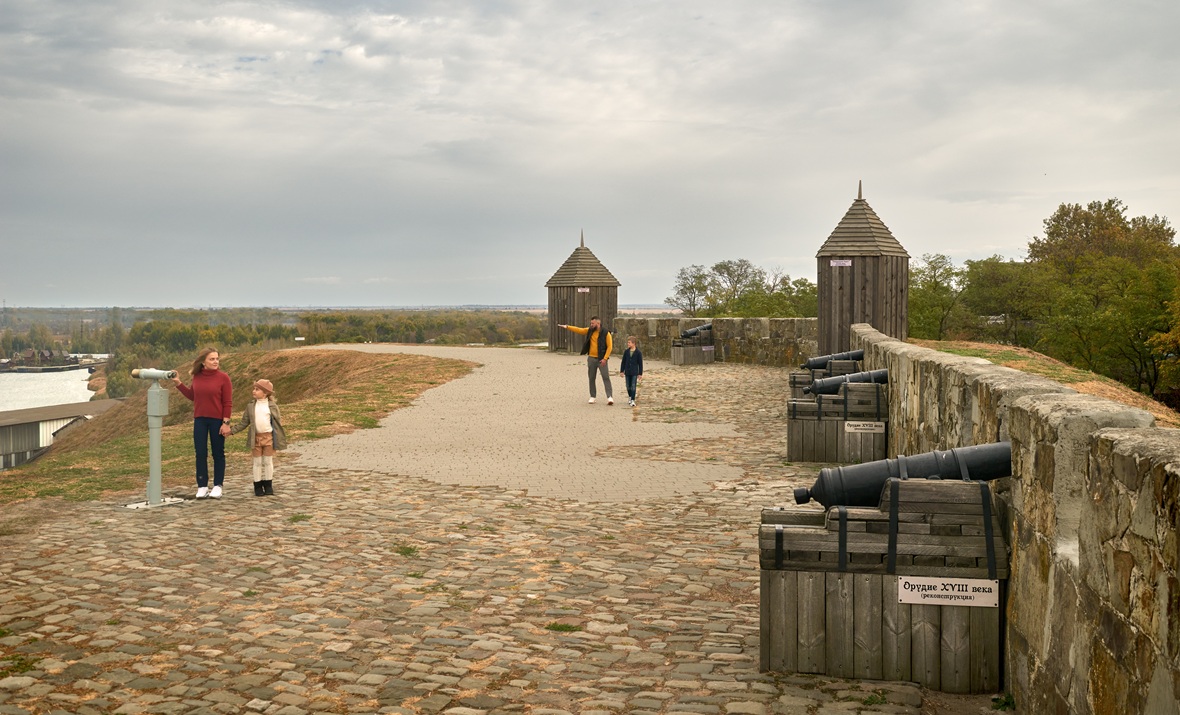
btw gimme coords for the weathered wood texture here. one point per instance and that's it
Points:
(580, 289)
(692, 354)
(829, 441)
(568, 306)
(848, 622)
(873, 290)
(863, 277)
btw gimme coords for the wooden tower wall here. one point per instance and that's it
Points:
(873, 290)
(569, 305)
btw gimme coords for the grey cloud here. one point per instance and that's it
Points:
(457, 149)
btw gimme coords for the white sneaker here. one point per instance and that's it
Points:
(610, 400)
(202, 492)
(632, 403)
(592, 400)
(216, 493)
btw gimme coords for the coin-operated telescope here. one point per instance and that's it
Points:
(157, 410)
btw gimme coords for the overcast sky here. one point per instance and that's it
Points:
(316, 152)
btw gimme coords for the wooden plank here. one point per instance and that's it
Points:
(815, 539)
(840, 619)
(956, 649)
(778, 622)
(794, 441)
(812, 656)
(895, 633)
(790, 632)
(866, 629)
(985, 647)
(794, 516)
(905, 566)
(766, 618)
(925, 641)
(934, 491)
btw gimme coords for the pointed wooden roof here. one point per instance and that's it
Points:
(582, 268)
(861, 233)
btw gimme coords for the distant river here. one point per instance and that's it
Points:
(20, 390)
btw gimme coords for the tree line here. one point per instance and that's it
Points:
(1097, 290)
(740, 289)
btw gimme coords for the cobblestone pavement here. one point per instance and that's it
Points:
(359, 590)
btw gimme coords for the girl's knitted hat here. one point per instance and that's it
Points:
(266, 386)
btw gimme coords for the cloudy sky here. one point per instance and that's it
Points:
(316, 152)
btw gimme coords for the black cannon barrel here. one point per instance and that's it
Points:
(861, 484)
(695, 331)
(831, 385)
(818, 363)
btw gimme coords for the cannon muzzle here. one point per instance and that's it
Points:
(831, 385)
(861, 484)
(693, 332)
(818, 363)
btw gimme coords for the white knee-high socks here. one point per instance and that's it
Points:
(264, 469)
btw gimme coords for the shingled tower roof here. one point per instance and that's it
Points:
(582, 268)
(861, 233)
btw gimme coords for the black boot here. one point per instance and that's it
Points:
(268, 488)
(258, 489)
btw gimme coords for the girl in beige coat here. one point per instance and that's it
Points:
(265, 435)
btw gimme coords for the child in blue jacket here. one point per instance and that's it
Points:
(632, 368)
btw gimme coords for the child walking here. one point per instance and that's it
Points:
(632, 368)
(265, 435)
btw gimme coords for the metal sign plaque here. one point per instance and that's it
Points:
(926, 591)
(846, 262)
(583, 290)
(865, 427)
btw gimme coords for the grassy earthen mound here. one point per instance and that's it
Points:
(1035, 363)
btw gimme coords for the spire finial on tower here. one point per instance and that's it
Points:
(859, 190)
(583, 238)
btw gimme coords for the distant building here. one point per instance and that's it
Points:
(863, 277)
(25, 434)
(579, 290)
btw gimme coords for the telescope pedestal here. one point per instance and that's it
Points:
(157, 410)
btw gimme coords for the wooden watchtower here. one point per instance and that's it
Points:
(579, 290)
(863, 277)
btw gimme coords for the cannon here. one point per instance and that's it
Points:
(831, 385)
(693, 332)
(861, 484)
(821, 362)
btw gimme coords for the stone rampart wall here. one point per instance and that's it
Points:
(1093, 612)
(780, 342)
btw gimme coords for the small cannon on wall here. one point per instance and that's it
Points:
(861, 484)
(694, 346)
(694, 332)
(821, 362)
(831, 385)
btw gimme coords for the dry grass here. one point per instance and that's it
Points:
(320, 392)
(1035, 363)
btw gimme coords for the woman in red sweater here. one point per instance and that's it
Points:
(212, 396)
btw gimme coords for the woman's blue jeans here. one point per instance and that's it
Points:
(206, 432)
